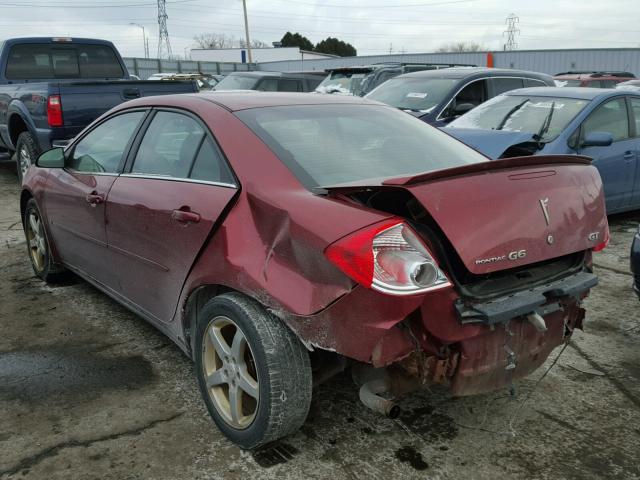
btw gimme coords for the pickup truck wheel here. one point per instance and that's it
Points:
(27, 152)
(253, 372)
(38, 245)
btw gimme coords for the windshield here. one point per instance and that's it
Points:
(519, 113)
(332, 144)
(237, 82)
(342, 82)
(415, 94)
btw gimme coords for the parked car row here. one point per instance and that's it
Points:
(431, 262)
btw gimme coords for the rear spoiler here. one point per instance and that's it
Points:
(489, 166)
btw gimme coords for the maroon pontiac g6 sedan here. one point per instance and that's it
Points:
(280, 238)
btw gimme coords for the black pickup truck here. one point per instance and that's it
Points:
(51, 88)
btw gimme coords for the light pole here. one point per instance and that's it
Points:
(145, 43)
(246, 30)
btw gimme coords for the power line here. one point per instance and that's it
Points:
(75, 5)
(511, 32)
(164, 46)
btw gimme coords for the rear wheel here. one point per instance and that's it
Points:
(27, 152)
(38, 245)
(253, 373)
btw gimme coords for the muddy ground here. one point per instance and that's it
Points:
(90, 391)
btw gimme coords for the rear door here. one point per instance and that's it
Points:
(162, 211)
(76, 195)
(616, 163)
(634, 105)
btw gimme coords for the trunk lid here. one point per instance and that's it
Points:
(513, 212)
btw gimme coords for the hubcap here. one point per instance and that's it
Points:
(230, 372)
(25, 160)
(36, 240)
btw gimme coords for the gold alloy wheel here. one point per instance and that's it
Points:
(230, 372)
(36, 240)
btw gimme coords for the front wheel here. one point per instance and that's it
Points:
(253, 373)
(38, 245)
(27, 152)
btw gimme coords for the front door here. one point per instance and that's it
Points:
(616, 163)
(162, 212)
(76, 195)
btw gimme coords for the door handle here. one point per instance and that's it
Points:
(94, 199)
(131, 93)
(629, 155)
(185, 216)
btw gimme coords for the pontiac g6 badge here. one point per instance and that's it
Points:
(544, 204)
(515, 255)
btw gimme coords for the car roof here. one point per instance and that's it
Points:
(263, 74)
(463, 72)
(580, 93)
(234, 100)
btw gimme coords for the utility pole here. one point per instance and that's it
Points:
(246, 30)
(511, 32)
(163, 33)
(145, 41)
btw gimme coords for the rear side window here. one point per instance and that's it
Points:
(209, 165)
(610, 117)
(62, 61)
(101, 150)
(169, 146)
(289, 86)
(331, 144)
(635, 113)
(501, 85)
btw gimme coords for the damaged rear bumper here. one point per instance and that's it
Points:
(503, 309)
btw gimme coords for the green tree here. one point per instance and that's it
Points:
(334, 46)
(296, 40)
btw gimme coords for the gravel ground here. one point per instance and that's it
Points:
(90, 391)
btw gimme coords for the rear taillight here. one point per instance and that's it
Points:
(54, 111)
(602, 245)
(388, 257)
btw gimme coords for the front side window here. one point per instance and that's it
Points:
(169, 146)
(501, 85)
(289, 86)
(268, 85)
(610, 117)
(545, 116)
(332, 144)
(102, 149)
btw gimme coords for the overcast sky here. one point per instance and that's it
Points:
(372, 26)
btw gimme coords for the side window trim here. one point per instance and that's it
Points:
(634, 131)
(142, 130)
(122, 165)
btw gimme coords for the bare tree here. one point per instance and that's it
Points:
(461, 47)
(222, 40)
(215, 40)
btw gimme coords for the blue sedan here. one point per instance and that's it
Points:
(601, 123)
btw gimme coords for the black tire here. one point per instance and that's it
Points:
(284, 379)
(45, 268)
(27, 151)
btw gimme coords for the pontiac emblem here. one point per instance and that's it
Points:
(544, 204)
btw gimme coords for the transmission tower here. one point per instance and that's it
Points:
(164, 47)
(511, 32)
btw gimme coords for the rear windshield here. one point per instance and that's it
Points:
(331, 144)
(30, 61)
(415, 94)
(519, 113)
(237, 82)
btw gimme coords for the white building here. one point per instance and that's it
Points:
(258, 55)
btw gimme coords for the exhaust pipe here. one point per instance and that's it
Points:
(369, 396)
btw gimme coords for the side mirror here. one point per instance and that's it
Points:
(597, 139)
(53, 158)
(462, 108)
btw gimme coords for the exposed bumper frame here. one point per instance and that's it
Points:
(538, 299)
